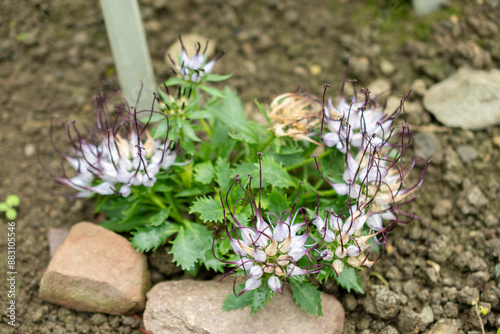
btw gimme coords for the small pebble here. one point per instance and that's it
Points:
(467, 153)
(98, 319)
(29, 150)
(386, 67)
(315, 70)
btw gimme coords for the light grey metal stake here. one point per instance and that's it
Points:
(130, 50)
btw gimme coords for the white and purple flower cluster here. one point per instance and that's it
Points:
(269, 251)
(195, 67)
(375, 170)
(115, 158)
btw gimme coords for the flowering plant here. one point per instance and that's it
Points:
(331, 182)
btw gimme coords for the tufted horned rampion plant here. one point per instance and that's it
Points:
(332, 182)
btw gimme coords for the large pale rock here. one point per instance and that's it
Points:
(469, 99)
(195, 307)
(96, 270)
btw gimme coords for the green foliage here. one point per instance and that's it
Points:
(255, 299)
(307, 296)
(349, 280)
(191, 244)
(151, 237)
(8, 206)
(210, 210)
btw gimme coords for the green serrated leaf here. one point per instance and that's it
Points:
(151, 237)
(204, 172)
(222, 174)
(192, 241)
(274, 174)
(277, 202)
(307, 296)
(349, 280)
(260, 298)
(11, 214)
(235, 303)
(12, 200)
(159, 218)
(210, 209)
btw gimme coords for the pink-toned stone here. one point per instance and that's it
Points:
(56, 238)
(96, 270)
(183, 307)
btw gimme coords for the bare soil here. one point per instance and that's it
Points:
(54, 56)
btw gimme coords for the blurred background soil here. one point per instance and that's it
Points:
(54, 56)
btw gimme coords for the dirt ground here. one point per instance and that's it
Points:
(54, 56)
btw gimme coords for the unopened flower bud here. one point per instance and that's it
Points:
(341, 252)
(284, 259)
(149, 146)
(285, 245)
(353, 262)
(255, 272)
(327, 255)
(268, 268)
(272, 249)
(338, 266)
(274, 283)
(279, 271)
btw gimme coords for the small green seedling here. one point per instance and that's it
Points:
(8, 206)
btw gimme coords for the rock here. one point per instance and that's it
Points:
(467, 295)
(469, 99)
(427, 315)
(350, 302)
(443, 328)
(422, 7)
(190, 42)
(386, 67)
(379, 87)
(493, 247)
(163, 261)
(410, 322)
(195, 307)
(389, 330)
(359, 65)
(419, 87)
(386, 302)
(442, 208)
(441, 249)
(467, 153)
(96, 270)
(98, 319)
(56, 238)
(411, 288)
(426, 145)
(451, 310)
(476, 197)
(29, 150)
